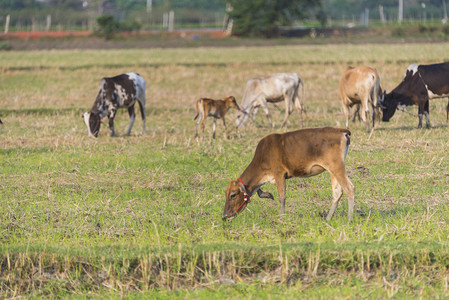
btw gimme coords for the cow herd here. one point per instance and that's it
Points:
(301, 153)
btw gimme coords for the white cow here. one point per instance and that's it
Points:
(275, 88)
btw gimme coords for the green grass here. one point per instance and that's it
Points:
(140, 216)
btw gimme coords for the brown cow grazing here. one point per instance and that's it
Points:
(215, 108)
(360, 86)
(301, 153)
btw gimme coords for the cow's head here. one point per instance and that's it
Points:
(231, 102)
(236, 199)
(242, 117)
(93, 122)
(389, 106)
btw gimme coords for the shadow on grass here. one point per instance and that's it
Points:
(410, 128)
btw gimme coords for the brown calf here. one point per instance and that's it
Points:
(215, 108)
(301, 153)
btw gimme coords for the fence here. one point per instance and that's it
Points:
(163, 20)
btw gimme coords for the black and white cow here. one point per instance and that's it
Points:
(121, 91)
(420, 84)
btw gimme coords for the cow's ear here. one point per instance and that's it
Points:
(241, 187)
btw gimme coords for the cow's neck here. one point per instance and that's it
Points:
(99, 108)
(252, 179)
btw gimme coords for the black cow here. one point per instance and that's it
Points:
(420, 84)
(116, 92)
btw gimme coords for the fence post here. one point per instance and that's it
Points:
(48, 26)
(165, 21)
(171, 20)
(7, 23)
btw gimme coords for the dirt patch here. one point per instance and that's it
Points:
(44, 40)
(36, 35)
(41, 40)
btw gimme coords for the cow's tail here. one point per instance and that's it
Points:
(447, 112)
(375, 98)
(198, 103)
(301, 83)
(299, 101)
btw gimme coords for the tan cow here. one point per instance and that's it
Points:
(301, 153)
(215, 108)
(361, 86)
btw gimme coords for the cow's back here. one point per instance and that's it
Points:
(273, 86)
(357, 83)
(296, 148)
(436, 78)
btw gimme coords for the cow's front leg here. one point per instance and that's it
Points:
(225, 127)
(264, 105)
(263, 194)
(426, 113)
(254, 113)
(288, 109)
(111, 117)
(420, 113)
(280, 184)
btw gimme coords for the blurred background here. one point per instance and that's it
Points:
(244, 18)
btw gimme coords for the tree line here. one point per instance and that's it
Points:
(248, 18)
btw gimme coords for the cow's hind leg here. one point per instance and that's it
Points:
(356, 113)
(142, 112)
(341, 181)
(214, 127)
(299, 109)
(336, 195)
(132, 117)
(366, 115)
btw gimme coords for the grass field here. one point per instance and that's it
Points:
(140, 216)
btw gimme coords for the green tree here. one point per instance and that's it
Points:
(263, 17)
(108, 26)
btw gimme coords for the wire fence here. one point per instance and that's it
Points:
(161, 20)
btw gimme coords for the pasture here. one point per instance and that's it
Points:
(141, 215)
